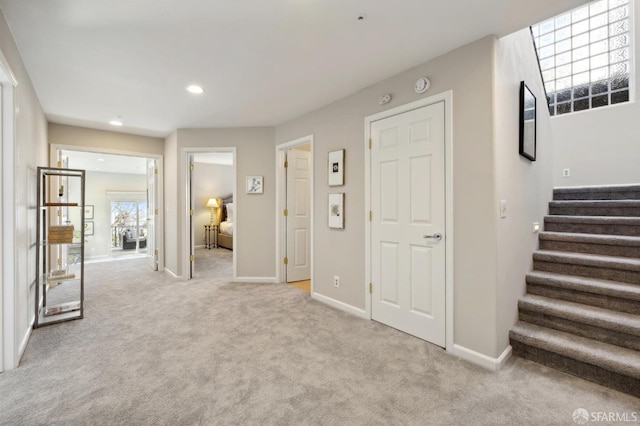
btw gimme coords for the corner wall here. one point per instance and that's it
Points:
(29, 149)
(526, 186)
(601, 146)
(468, 72)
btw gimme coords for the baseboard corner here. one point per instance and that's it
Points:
(494, 364)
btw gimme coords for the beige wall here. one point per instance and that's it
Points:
(29, 151)
(468, 72)
(255, 218)
(526, 186)
(600, 146)
(63, 134)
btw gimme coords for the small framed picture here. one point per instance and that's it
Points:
(527, 123)
(254, 185)
(336, 168)
(88, 228)
(88, 212)
(336, 211)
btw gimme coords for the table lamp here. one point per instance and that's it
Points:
(213, 204)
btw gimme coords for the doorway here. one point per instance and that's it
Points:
(294, 227)
(409, 235)
(210, 213)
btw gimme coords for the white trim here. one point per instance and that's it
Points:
(260, 280)
(482, 360)
(9, 355)
(53, 159)
(360, 313)
(447, 98)
(170, 273)
(184, 167)
(280, 205)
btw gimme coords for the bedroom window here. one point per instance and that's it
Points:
(585, 56)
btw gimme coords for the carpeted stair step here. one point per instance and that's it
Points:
(611, 245)
(604, 325)
(626, 208)
(608, 365)
(588, 265)
(618, 296)
(593, 225)
(618, 192)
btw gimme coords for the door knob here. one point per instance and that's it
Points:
(437, 236)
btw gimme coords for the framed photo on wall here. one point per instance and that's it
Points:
(336, 211)
(254, 185)
(88, 228)
(88, 212)
(336, 168)
(527, 123)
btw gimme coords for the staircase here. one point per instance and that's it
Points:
(581, 313)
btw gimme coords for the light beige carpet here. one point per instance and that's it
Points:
(154, 350)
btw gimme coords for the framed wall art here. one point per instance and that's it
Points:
(88, 228)
(88, 212)
(254, 185)
(527, 123)
(336, 211)
(336, 168)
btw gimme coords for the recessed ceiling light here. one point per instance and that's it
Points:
(195, 89)
(100, 159)
(116, 122)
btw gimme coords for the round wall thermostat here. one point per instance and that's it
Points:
(422, 85)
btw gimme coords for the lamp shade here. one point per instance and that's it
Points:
(213, 203)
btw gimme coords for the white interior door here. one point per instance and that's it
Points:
(407, 232)
(299, 215)
(152, 213)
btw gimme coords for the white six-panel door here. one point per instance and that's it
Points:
(408, 225)
(299, 215)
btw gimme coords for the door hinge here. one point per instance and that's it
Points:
(370, 143)
(59, 164)
(155, 211)
(192, 258)
(190, 212)
(59, 212)
(286, 212)
(370, 288)
(155, 252)
(370, 216)
(191, 167)
(286, 164)
(286, 260)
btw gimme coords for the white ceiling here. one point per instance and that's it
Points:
(261, 62)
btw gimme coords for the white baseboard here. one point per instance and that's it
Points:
(170, 273)
(23, 343)
(361, 313)
(482, 360)
(268, 280)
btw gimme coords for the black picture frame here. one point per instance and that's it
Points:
(527, 123)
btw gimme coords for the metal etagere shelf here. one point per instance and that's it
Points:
(60, 245)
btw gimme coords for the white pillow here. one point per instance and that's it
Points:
(230, 212)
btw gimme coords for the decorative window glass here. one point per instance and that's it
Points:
(585, 56)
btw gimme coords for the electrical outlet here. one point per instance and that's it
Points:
(566, 172)
(336, 281)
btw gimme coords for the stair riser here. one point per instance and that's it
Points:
(580, 329)
(592, 299)
(582, 228)
(607, 250)
(604, 273)
(583, 370)
(594, 211)
(618, 195)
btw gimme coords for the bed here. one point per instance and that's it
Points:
(225, 229)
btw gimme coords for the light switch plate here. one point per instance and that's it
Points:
(503, 208)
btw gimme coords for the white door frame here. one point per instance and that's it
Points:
(9, 355)
(53, 159)
(447, 98)
(281, 187)
(185, 226)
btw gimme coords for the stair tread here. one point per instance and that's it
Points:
(597, 188)
(605, 239)
(594, 220)
(587, 259)
(589, 285)
(604, 355)
(595, 203)
(584, 314)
